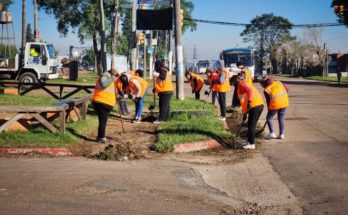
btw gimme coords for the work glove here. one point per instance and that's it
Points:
(136, 100)
(249, 104)
(206, 93)
(125, 96)
(130, 96)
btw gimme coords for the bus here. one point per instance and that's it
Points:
(234, 55)
(203, 65)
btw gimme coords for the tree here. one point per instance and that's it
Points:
(265, 32)
(29, 36)
(5, 4)
(82, 17)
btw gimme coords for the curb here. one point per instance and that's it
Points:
(197, 146)
(46, 151)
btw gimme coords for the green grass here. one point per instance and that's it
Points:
(26, 100)
(186, 128)
(41, 137)
(333, 79)
(83, 78)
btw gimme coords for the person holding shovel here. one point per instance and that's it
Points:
(211, 76)
(120, 90)
(196, 82)
(104, 99)
(252, 105)
(164, 88)
(137, 87)
(277, 99)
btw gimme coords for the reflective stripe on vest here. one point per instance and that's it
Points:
(164, 86)
(104, 95)
(278, 96)
(256, 100)
(142, 82)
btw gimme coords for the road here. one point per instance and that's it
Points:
(304, 174)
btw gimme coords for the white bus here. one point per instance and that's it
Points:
(234, 55)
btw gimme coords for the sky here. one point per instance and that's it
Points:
(209, 39)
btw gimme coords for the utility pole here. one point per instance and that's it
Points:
(151, 55)
(133, 38)
(144, 63)
(114, 35)
(179, 54)
(23, 30)
(102, 40)
(36, 30)
(262, 51)
(194, 54)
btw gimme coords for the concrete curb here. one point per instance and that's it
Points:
(46, 151)
(197, 146)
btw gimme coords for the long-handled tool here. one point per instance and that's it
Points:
(208, 94)
(119, 112)
(262, 129)
(241, 125)
(153, 106)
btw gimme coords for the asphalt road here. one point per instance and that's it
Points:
(304, 174)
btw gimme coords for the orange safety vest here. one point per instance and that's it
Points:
(164, 85)
(248, 77)
(278, 96)
(225, 86)
(213, 76)
(200, 81)
(256, 99)
(104, 95)
(143, 83)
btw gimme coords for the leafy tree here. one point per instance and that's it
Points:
(82, 17)
(265, 32)
(6, 4)
(29, 33)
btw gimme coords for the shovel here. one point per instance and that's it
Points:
(262, 129)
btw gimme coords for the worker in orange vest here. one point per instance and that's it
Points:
(245, 73)
(164, 88)
(211, 76)
(252, 105)
(276, 94)
(137, 88)
(104, 100)
(121, 90)
(222, 85)
(196, 82)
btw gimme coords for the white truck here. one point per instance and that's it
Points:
(39, 64)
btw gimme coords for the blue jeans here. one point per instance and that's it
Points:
(281, 119)
(139, 106)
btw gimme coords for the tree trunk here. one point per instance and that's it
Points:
(97, 53)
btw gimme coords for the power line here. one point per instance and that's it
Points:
(245, 24)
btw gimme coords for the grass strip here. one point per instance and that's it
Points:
(41, 137)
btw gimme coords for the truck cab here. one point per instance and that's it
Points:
(39, 63)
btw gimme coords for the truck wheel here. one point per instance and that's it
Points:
(27, 77)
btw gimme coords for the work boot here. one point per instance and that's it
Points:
(249, 146)
(102, 140)
(281, 136)
(270, 136)
(222, 118)
(158, 121)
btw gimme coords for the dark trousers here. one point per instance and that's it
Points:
(198, 94)
(222, 103)
(254, 115)
(164, 106)
(103, 112)
(213, 97)
(123, 105)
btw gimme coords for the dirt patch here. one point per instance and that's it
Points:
(244, 209)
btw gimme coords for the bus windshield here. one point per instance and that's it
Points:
(233, 58)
